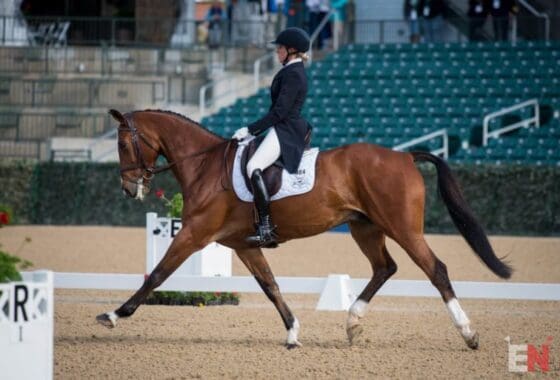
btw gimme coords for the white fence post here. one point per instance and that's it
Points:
(26, 327)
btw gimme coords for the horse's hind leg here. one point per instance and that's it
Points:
(372, 243)
(255, 261)
(424, 257)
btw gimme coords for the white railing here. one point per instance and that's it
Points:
(315, 34)
(244, 284)
(542, 15)
(233, 88)
(99, 140)
(525, 123)
(257, 68)
(444, 150)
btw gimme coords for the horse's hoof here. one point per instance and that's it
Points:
(354, 332)
(291, 346)
(106, 320)
(472, 342)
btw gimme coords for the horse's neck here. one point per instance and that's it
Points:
(187, 140)
(185, 145)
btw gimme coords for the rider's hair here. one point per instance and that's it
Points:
(303, 56)
(298, 54)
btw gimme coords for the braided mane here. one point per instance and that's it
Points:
(182, 117)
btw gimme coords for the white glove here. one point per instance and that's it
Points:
(241, 133)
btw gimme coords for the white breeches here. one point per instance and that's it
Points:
(267, 153)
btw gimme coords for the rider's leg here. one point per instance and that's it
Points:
(267, 153)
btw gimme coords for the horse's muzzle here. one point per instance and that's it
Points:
(137, 190)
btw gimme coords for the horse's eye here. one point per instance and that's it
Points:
(121, 145)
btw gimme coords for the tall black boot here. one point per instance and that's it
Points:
(265, 235)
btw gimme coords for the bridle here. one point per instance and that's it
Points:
(150, 171)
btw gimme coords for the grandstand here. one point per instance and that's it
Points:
(376, 89)
(391, 93)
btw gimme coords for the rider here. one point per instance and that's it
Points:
(286, 127)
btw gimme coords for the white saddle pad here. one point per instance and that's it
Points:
(292, 184)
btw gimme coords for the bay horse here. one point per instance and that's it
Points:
(379, 192)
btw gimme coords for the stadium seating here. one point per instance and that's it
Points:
(389, 94)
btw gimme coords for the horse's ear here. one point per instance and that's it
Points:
(117, 116)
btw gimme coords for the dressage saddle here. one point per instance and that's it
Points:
(272, 175)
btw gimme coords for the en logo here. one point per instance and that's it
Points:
(523, 357)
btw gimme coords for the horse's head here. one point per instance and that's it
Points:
(137, 155)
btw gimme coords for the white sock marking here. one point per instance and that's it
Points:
(293, 333)
(460, 319)
(113, 317)
(357, 311)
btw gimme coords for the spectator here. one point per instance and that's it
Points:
(215, 18)
(478, 11)
(432, 20)
(500, 10)
(411, 13)
(230, 11)
(339, 17)
(318, 9)
(295, 12)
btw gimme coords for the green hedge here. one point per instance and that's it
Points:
(75, 193)
(519, 200)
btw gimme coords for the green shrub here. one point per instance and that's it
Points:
(9, 266)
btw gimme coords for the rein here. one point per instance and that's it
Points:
(151, 171)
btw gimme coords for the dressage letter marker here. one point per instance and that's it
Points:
(26, 327)
(213, 260)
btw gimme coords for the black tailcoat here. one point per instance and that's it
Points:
(287, 92)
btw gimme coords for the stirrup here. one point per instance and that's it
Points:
(264, 238)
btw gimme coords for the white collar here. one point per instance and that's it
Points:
(293, 61)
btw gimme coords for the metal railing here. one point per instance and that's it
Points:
(317, 31)
(525, 123)
(119, 31)
(258, 65)
(232, 88)
(538, 14)
(181, 33)
(444, 150)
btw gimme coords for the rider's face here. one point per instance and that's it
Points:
(281, 53)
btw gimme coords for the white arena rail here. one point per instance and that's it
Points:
(311, 285)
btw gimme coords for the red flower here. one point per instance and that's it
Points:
(4, 218)
(160, 193)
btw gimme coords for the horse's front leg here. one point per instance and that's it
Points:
(182, 246)
(255, 261)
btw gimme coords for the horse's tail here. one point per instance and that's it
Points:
(463, 217)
